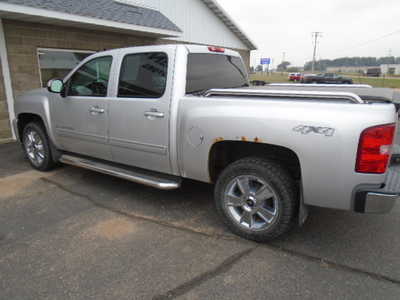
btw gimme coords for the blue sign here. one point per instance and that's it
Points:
(265, 61)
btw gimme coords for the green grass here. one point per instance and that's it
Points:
(275, 77)
(376, 82)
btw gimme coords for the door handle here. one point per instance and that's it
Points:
(95, 110)
(153, 114)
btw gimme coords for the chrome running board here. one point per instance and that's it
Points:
(159, 181)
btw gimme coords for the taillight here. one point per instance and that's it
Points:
(374, 149)
(216, 49)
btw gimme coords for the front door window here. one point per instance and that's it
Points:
(91, 80)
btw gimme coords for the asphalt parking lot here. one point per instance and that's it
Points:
(76, 234)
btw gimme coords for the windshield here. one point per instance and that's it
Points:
(213, 71)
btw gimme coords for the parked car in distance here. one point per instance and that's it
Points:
(326, 78)
(155, 115)
(374, 72)
(295, 77)
(258, 83)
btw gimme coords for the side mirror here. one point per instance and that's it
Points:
(55, 86)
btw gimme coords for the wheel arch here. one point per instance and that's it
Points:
(224, 153)
(26, 118)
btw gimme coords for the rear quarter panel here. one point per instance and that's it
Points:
(327, 162)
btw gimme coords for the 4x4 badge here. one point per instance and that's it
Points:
(304, 129)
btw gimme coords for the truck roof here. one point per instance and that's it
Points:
(191, 49)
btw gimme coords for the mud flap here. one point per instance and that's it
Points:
(303, 209)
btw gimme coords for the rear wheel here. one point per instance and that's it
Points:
(36, 147)
(257, 199)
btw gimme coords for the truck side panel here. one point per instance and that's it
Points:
(327, 158)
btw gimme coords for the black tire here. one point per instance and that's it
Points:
(47, 163)
(278, 180)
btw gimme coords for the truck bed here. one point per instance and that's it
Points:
(367, 94)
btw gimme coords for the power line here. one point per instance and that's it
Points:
(316, 35)
(372, 41)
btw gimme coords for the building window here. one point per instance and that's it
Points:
(57, 63)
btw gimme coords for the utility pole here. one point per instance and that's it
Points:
(283, 59)
(316, 36)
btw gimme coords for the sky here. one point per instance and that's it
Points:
(349, 27)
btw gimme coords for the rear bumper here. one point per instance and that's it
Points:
(374, 202)
(379, 201)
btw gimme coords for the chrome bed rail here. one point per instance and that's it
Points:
(310, 95)
(322, 85)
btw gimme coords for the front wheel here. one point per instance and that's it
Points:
(36, 147)
(257, 199)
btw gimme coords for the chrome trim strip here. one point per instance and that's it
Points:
(291, 94)
(81, 136)
(138, 146)
(322, 85)
(148, 180)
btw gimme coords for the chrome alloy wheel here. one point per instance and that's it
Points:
(34, 147)
(251, 202)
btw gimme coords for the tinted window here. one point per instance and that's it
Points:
(143, 75)
(207, 71)
(91, 79)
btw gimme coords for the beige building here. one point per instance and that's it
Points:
(361, 69)
(40, 40)
(390, 69)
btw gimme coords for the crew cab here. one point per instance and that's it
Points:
(326, 78)
(159, 114)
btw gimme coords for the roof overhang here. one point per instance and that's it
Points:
(230, 23)
(30, 14)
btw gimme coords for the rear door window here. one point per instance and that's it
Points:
(143, 75)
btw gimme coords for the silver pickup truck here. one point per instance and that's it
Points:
(155, 115)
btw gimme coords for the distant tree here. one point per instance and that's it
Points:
(320, 65)
(283, 66)
(293, 69)
(352, 62)
(389, 60)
